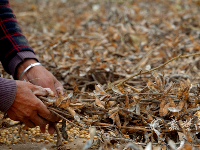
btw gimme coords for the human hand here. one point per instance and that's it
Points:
(38, 75)
(28, 108)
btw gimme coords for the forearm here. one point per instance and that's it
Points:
(7, 93)
(14, 46)
(16, 64)
(23, 66)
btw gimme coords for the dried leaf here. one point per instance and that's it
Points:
(137, 109)
(181, 136)
(162, 105)
(99, 90)
(183, 91)
(126, 101)
(71, 111)
(189, 138)
(157, 148)
(132, 146)
(116, 90)
(76, 90)
(165, 109)
(22, 134)
(92, 131)
(149, 116)
(149, 146)
(168, 88)
(88, 144)
(152, 86)
(99, 103)
(114, 110)
(172, 144)
(76, 105)
(181, 145)
(187, 146)
(117, 120)
(157, 79)
(174, 109)
(122, 90)
(181, 105)
(172, 104)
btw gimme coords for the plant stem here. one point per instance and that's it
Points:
(148, 71)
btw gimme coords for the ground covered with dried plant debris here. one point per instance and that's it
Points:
(130, 70)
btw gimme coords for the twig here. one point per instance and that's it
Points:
(43, 98)
(137, 128)
(58, 111)
(144, 59)
(59, 138)
(11, 125)
(132, 88)
(68, 120)
(148, 71)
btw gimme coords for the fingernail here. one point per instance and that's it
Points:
(51, 130)
(59, 90)
(51, 93)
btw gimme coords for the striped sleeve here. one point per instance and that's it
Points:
(12, 41)
(7, 93)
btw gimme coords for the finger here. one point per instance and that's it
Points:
(50, 85)
(12, 115)
(57, 118)
(38, 121)
(51, 128)
(58, 86)
(29, 123)
(51, 93)
(45, 113)
(15, 115)
(38, 90)
(43, 129)
(53, 117)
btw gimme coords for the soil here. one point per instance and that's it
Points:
(76, 144)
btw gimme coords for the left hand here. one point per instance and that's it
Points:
(40, 76)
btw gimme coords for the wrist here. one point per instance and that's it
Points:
(22, 66)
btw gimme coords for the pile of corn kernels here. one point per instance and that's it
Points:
(10, 136)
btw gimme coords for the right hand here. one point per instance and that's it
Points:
(28, 109)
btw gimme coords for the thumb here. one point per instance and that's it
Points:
(38, 90)
(58, 87)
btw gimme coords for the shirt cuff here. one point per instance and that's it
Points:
(19, 58)
(7, 93)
